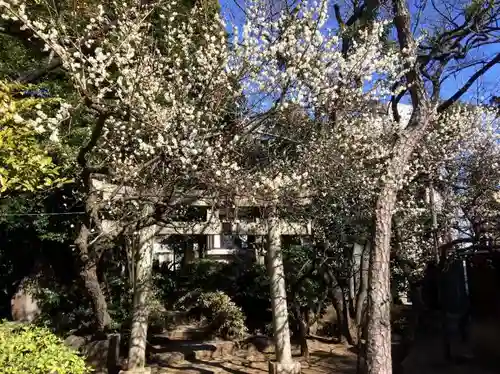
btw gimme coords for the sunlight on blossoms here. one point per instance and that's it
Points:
(186, 101)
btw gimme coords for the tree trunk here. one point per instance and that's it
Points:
(340, 301)
(302, 330)
(346, 324)
(361, 308)
(281, 329)
(378, 345)
(100, 306)
(379, 294)
(378, 349)
(362, 291)
(278, 294)
(88, 273)
(351, 329)
(142, 293)
(88, 260)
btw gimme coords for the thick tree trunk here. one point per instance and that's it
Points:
(99, 304)
(88, 274)
(378, 345)
(284, 362)
(378, 358)
(88, 259)
(142, 293)
(278, 295)
(378, 348)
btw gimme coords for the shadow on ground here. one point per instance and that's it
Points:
(224, 357)
(427, 354)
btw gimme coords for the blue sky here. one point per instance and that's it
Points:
(489, 83)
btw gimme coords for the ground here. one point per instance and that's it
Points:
(224, 357)
(426, 356)
(189, 357)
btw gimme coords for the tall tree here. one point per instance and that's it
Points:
(426, 106)
(90, 111)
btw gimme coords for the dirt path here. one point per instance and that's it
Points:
(425, 357)
(222, 357)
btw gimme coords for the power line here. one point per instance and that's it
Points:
(41, 214)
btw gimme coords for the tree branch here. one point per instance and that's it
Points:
(94, 138)
(407, 42)
(35, 75)
(56, 62)
(457, 95)
(394, 105)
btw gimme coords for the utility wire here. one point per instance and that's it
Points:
(41, 214)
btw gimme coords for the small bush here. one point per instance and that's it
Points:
(189, 301)
(35, 350)
(157, 313)
(225, 317)
(245, 283)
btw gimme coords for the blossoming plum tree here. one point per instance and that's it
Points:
(426, 107)
(295, 61)
(161, 104)
(125, 79)
(177, 106)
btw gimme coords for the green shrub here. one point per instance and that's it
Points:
(157, 313)
(245, 283)
(35, 350)
(225, 317)
(157, 317)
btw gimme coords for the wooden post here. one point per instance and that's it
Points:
(284, 362)
(142, 287)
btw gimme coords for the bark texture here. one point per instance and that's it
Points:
(88, 259)
(378, 349)
(278, 294)
(378, 345)
(379, 295)
(88, 274)
(142, 293)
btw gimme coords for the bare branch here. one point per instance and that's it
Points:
(35, 75)
(457, 95)
(94, 138)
